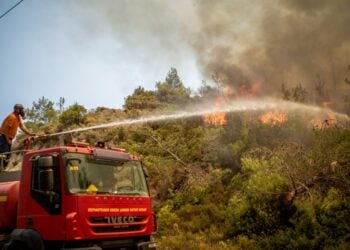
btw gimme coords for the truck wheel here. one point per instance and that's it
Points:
(25, 239)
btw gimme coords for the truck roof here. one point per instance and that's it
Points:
(103, 153)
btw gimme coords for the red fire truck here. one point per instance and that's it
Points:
(76, 197)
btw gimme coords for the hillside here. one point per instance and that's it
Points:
(256, 179)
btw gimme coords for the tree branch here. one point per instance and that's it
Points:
(177, 158)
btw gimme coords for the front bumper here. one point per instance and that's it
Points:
(148, 245)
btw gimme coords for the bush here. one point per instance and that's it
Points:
(73, 115)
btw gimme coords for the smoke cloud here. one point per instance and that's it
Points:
(240, 43)
(276, 42)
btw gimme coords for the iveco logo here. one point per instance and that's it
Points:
(119, 219)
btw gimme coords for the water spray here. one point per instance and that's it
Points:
(234, 106)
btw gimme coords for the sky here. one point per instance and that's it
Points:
(97, 52)
(62, 49)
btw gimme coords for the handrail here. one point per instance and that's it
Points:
(14, 151)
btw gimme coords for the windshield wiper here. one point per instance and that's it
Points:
(102, 192)
(135, 192)
(84, 192)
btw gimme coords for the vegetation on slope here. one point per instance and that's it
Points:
(244, 184)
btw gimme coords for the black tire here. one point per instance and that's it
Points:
(25, 239)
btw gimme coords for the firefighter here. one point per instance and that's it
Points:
(9, 127)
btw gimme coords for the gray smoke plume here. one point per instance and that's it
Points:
(276, 42)
(242, 43)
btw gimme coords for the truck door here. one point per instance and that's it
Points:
(44, 206)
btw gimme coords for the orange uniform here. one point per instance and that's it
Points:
(10, 125)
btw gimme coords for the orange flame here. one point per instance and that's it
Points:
(217, 119)
(273, 117)
(250, 90)
(226, 94)
(326, 122)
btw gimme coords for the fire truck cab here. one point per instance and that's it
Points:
(76, 197)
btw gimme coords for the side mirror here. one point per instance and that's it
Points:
(46, 181)
(46, 161)
(145, 172)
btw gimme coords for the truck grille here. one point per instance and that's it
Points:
(116, 219)
(117, 229)
(116, 224)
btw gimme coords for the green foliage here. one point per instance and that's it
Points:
(141, 100)
(314, 225)
(333, 216)
(243, 185)
(73, 115)
(60, 104)
(261, 207)
(42, 112)
(106, 115)
(172, 90)
(41, 115)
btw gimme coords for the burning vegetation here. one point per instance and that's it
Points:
(216, 119)
(274, 117)
(327, 120)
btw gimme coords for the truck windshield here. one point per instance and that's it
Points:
(85, 175)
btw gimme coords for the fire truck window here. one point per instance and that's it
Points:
(109, 177)
(123, 179)
(76, 178)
